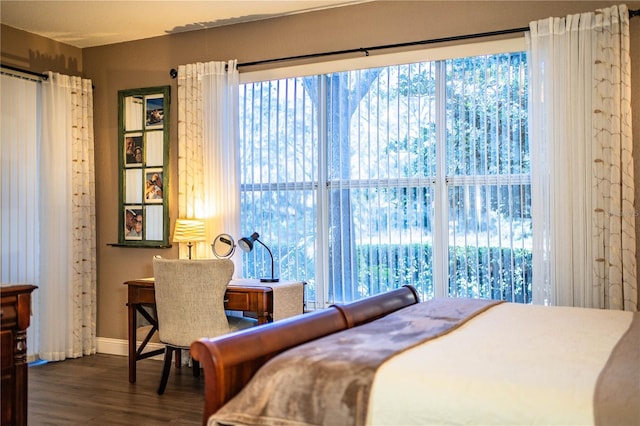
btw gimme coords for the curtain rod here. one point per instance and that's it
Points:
(366, 50)
(12, 68)
(174, 73)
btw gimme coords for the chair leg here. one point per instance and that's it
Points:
(166, 368)
(196, 368)
(178, 358)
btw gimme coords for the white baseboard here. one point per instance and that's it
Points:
(105, 345)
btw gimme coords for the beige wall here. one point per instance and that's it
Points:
(38, 54)
(146, 63)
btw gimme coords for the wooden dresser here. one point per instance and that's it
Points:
(15, 312)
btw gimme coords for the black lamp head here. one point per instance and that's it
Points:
(246, 243)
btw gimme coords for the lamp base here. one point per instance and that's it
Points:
(269, 280)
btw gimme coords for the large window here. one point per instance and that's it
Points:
(363, 181)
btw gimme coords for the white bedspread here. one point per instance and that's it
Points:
(441, 384)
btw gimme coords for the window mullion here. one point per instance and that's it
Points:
(322, 200)
(441, 228)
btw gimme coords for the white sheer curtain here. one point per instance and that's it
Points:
(48, 209)
(582, 163)
(67, 286)
(20, 131)
(208, 169)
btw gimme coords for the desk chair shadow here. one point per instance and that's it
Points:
(190, 305)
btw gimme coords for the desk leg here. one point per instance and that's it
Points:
(263, 317)
(264, 313)
(132, 342)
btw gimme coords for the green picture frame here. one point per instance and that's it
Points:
(143, 158)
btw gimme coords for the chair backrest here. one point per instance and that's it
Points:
(190, 298)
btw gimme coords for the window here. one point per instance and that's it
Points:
(362, 181)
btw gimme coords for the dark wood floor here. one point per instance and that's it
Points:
(95, 390)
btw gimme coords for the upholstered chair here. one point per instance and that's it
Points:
(190, 305)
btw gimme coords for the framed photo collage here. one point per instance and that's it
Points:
(143, 160)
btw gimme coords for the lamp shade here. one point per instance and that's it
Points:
(188, 231)
(246, 243)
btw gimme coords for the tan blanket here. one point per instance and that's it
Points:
(617, 395)
(327, 381)
(288, 296)
(288, 299)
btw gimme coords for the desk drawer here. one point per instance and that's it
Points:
(145, 295)
(237, 301)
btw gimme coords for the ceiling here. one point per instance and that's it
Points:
(100, 22)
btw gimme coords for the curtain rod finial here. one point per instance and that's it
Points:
(173, 73)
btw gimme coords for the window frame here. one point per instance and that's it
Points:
(441, 184)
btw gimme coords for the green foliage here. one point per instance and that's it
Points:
(479, 272)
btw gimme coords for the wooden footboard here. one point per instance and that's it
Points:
(230, 361)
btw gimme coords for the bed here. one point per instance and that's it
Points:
(390, 359)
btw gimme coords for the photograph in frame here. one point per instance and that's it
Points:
(133, 149)
(133, 223)
(154, 111)
(154, 189)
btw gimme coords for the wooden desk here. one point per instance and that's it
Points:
(241, 295)
(15, 313)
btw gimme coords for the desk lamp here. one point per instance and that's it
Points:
(246, 245)
(189, 231)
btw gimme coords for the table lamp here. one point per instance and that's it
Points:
(246, 245)
(189, 231)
